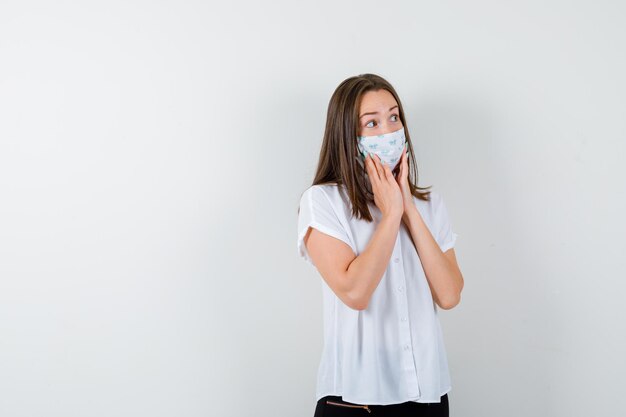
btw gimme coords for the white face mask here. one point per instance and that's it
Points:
(388, 147)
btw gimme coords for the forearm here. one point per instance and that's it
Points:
(366, 270)
(444, 280)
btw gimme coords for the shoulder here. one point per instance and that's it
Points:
(434, 209)
(434, 201)
(327, 198)
(323, 192)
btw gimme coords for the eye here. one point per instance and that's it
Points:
(372, 121)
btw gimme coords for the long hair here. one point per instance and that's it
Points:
(339, 156)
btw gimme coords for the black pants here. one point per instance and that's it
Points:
(334, 406)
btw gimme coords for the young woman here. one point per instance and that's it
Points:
(384, 248)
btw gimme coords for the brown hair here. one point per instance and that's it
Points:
(338, 156)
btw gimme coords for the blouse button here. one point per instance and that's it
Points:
(396, 260)
(406, 347)
(403, 318)
(400, 289)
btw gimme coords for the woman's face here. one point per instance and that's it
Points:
(378, 114)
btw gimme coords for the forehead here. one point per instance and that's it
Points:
(377, 101)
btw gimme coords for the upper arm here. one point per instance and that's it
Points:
(451, 257)
(331, 257)
(446, 237)
(325, 242)
(443, 231)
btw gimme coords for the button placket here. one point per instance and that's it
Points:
(408, 362)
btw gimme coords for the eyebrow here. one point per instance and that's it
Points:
(375, 112)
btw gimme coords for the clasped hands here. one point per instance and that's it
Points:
(392, 194)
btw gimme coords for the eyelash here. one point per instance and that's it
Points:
(373, 120)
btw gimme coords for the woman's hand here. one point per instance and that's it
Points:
(387, 193)
(402, 178)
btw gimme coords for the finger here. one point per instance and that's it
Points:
(372, 172)
(388, 173)
(404, 162)
(371, 167)
(379, 167)
(372, 160)
(404, 158)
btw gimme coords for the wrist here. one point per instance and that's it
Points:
(409, 212)
(393, 217)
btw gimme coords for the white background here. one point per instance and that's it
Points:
(152, 156)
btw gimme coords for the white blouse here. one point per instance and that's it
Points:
(393, 351)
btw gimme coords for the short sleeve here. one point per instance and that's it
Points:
(316, 210)
(445, 236)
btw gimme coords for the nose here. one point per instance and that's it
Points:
(389, 129)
